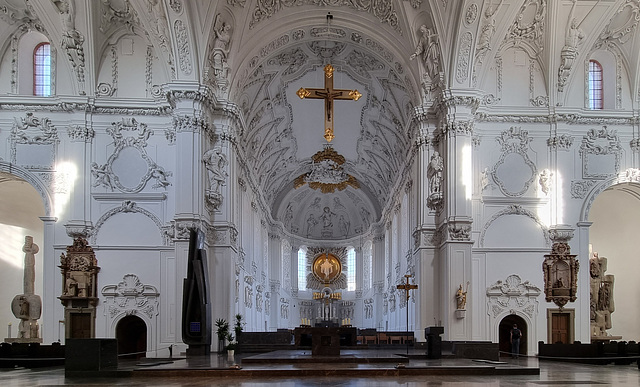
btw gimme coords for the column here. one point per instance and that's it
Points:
(457, 109)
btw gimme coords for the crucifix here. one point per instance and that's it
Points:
(329, 94)
(407, 287)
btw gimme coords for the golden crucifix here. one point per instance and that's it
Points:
(328, 94)
(407, 286)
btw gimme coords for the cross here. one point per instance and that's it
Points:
(407, 286)
(328, 94)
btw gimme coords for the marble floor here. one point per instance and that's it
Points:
(550, 374)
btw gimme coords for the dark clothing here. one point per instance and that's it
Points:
(516, 334)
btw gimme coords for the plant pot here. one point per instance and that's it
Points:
(231, 353)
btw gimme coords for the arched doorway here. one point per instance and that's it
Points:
(504, 334)
(131, 333)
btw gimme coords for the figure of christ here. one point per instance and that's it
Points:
(329, 94)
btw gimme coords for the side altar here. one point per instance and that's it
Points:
(325, 341)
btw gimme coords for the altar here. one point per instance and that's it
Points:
(325, 341)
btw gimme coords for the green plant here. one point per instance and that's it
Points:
(223, 329)
(232, 344)
(238, 325)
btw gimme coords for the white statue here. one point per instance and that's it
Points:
(427, 50)
(436, 166)
(215, 161)
(220, 50)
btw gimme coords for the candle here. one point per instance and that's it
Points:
(9, 331)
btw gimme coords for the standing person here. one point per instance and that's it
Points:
(516, 334)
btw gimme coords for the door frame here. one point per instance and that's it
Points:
(572, 323)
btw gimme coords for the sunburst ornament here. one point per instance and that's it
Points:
(327, 172)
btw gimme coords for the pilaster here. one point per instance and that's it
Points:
(456, 110)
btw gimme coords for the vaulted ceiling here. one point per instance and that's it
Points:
(278, 46)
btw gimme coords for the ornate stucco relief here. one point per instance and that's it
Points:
(383, 10)
(130, 140)
(515, 147)
(601, 152)
(34, 142)
(514, 209)
(130, 297)
(512, 296)
(129, 206)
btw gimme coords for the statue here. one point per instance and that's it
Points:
(343, 226)
(427, 49)
(327, 218)
(461, 297)
(28, 306)
(70, 286)
(311, 223)
(215, 161)
(366, 217)
(573, 38)
(436, 165)
(158, 173)
(288, 215)
(220, 50)
(72, 39)
(102, 175)
(601, 291)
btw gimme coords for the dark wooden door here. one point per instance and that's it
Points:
(80, 326)
(560, 328)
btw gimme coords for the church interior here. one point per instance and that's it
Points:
(388, 166)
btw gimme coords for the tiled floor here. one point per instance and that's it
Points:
(551, 374)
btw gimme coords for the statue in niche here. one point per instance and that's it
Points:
(427, 50)
(434, 174)
(70, 286)
(220, 50)
(215, 161)
(601, 292)
(436, 166)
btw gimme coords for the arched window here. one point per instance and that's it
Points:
(302, 268)
(42, 70)
(596, 100)
(351, 269)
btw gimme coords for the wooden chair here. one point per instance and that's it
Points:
(383, 338)
(370, 340)
(396, 339)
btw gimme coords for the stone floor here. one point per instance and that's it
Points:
(215, 371)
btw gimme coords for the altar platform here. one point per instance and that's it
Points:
(350, 363)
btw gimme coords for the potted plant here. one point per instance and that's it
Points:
(238, 326)
(231, 347)
(222, 332)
